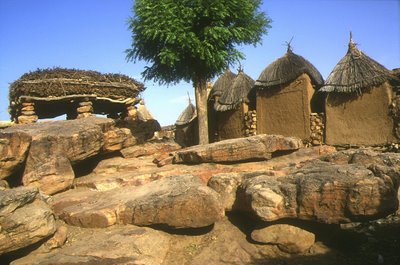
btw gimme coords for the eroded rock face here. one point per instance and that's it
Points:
(13, 151)
(179, 201)
(115, 245)
(259, 147)
(290, 239)
(24, 219)
(327, 192)
(48, 149)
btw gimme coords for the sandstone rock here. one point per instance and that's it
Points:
(117, 139)
(150, 148)
(54, 146)
(115, 245)
(259, 147)
(53, 175)
(24, 219)
(179, 201)
(289, 238)
(327, 192)
(13, 151)
(226, 185)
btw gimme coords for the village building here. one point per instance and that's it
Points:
(49, 93)
(186, 127)
(359, 97)
(232, 106)
(286, 99)
(222, 84)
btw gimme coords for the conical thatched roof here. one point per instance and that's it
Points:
(58, 82)
(188, 115)
(286, 69)
(236, 93)
(222, 83)
(355, 73)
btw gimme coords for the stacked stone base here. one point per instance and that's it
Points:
(317, 123)
(27, 114)
(250, 121)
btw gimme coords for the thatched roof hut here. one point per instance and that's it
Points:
(359, 93)
(236, 93)
(356, 72)
(187, 115)
(186, 132)
(228, 108)
(286, 96)
(222, 83)
(59, 85)
(286, 69)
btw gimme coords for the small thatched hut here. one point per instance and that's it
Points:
(359, 94)
(231, 107)
(286, 96)
(49, 93)
(222, 84)
(186, 127)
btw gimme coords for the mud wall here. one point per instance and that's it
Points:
(360, 120)
(286, 110)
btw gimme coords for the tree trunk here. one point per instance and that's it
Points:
(201, 106)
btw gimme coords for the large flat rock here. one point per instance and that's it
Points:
(259, 147)
(114, 245)
(24, 219)
(361, 187)
(47, 150)
(178, 201)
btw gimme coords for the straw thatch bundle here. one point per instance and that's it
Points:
(187, 115)
(237, 92)
(222, 83)
(355, 73)
(59, 82)
(286, 69)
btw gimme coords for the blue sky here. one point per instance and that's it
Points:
(93, 35)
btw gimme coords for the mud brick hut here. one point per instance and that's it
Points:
(49, 93)
(186, 127)
(222, 84)
(286, 97)
(231, 107)
(359, 95)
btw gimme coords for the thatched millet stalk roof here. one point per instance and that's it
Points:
(187, 115)
(60, 82)
(355, 73)
(237, 92)
(222, 83)
(286, 69)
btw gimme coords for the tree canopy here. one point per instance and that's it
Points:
(193, 40)
(188, 39)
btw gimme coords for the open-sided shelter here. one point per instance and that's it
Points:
(48, 93)
(286, 96)
(231, 107)
(359, 94)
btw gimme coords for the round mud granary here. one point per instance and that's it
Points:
(48, 93)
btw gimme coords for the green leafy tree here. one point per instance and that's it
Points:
(193, 40)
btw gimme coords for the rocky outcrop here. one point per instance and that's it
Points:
(180, 202)
(259, 147)
(25, 219)
(150, 149)
(115, 245)
(365, 189)
(13, 151)
(49, 149)
(288, 238)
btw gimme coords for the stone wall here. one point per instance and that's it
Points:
(250, 122)
(317, 125)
